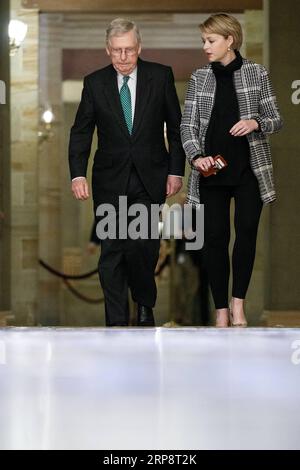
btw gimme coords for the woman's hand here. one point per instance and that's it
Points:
(244, 127)
(203, 163)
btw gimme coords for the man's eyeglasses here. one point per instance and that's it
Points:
(127, 51)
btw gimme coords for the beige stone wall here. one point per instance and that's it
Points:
(254, 35)
(51, 159)
(24, 183)
(5, 268)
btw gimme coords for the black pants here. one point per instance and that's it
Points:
(248, 206)
(128, 263)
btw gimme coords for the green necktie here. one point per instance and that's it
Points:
(125, 98)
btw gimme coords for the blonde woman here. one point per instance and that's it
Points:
(230, 109)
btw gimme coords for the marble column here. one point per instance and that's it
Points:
(5, 267)
(24, 163)
(51, 159)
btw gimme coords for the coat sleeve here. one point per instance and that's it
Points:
(81, 134)
(173, 118)
(268, 118)
(190, 124)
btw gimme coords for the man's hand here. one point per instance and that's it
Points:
(80, 188)
(174, 184)
(244, 127)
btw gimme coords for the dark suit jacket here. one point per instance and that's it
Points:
(100, 106)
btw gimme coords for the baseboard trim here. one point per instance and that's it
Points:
(281, 318)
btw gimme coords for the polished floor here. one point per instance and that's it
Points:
(185, 388)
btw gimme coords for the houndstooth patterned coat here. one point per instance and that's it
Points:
(256, 100)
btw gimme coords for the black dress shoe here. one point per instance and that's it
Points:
(145, 316)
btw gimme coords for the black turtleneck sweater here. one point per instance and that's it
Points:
(224, 115)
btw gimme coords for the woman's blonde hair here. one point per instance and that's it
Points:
(225, 25)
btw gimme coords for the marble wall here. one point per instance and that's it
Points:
(5, 265)
(51, 160)
(24, 175)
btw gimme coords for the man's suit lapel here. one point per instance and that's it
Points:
(143, 89)
(112, 94)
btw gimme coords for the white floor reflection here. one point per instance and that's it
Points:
(189, 388)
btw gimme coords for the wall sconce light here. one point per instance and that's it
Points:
(47, 122)
(17, 31)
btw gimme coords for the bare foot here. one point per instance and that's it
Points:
(222, 317)
(237, 314)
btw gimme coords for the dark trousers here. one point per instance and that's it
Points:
(128, 263)
(248, 206)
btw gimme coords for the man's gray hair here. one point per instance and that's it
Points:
(120, 26)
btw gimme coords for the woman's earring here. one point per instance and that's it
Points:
(229, 48)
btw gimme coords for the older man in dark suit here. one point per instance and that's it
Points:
(129, 102)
